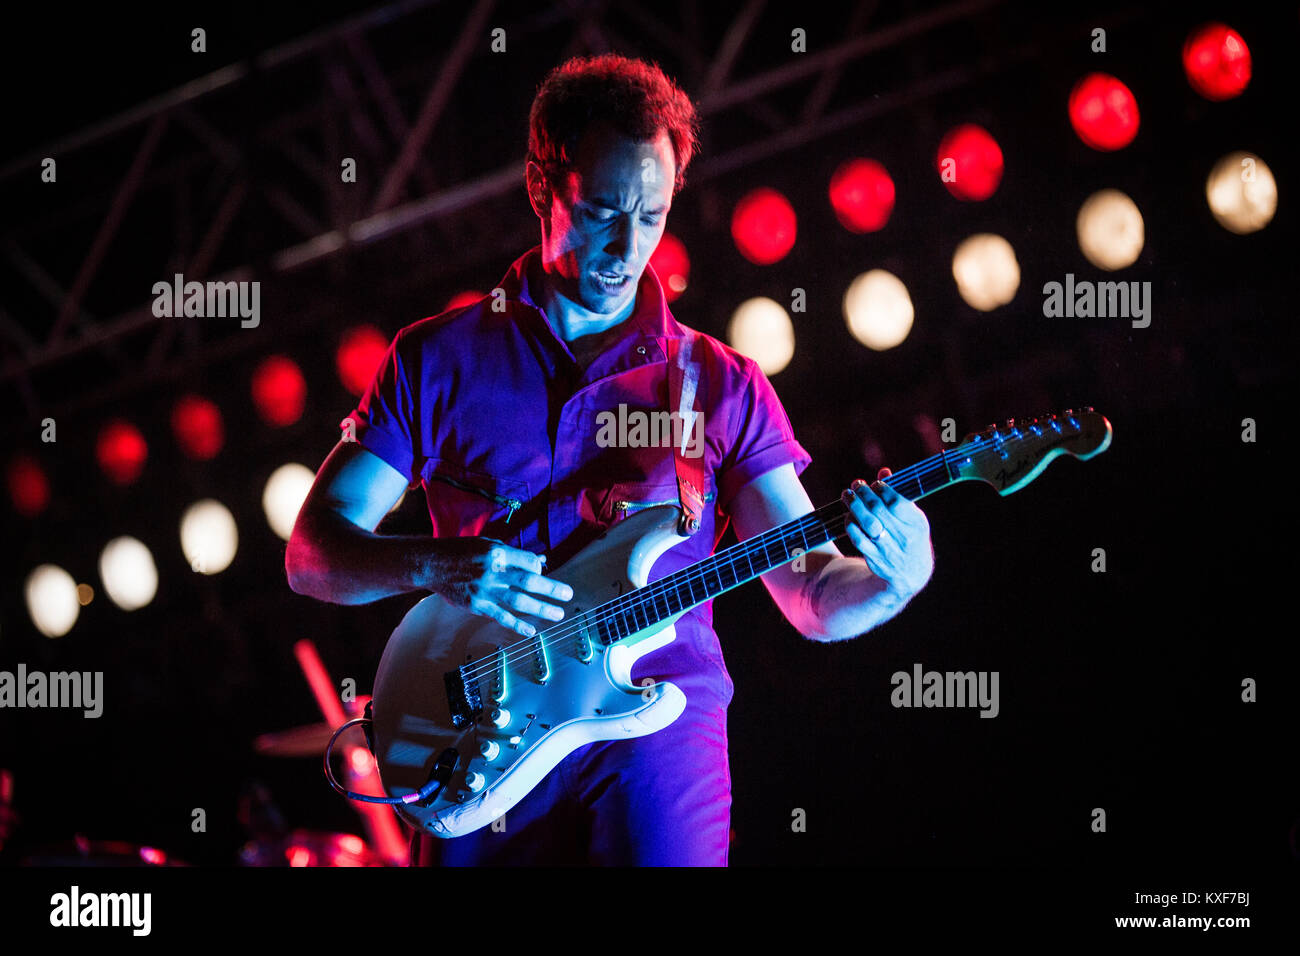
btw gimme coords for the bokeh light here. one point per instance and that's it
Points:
(128, 571)
(862, 195)
(279, 391)
(1242, 193)
(283, 496)
(969, 161)
(52, 603)
(986, 271)
(198, 427)
(359, 356)
(1217, 62)
(1104, 112)
(764, 226)
(29, 488)
(121, 451)
(209, 538)
(761, 329)
(672, 265)
(878, 309)
(1111, 230)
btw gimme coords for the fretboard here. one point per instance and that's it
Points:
(703, 581)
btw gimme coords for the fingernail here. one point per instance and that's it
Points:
(567, 594)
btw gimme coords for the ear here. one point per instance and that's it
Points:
(539, 190)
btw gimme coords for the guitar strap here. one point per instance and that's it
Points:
(686, 400)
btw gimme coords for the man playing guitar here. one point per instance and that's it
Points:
(493, 407)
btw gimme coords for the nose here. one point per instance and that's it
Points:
(623, 244)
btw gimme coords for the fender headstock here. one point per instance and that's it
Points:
(1012, 455)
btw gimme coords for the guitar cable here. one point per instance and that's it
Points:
(442, 770)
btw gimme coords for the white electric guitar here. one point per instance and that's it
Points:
(469, 716)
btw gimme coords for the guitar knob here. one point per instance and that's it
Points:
(475, 781)
(500, 717)
(489, 749)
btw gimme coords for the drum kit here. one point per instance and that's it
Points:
(272, 843)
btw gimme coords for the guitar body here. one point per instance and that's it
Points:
(581, 691)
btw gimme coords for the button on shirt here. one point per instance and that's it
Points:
(487, 408)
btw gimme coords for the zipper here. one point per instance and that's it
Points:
(626, 506)
(514, 504)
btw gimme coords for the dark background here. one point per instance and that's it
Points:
(1118, 690)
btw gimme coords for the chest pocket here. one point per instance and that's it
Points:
(468, 503)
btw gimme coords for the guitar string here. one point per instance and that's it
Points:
(528, 647)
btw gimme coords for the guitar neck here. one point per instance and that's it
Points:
(1007, 458)
(703, 581)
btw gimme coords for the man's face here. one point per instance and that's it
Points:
(606, 217)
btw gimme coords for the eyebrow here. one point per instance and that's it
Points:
(605, 203)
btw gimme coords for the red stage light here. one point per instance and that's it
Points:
(969, 162)
(121, 451)
(1217, 62)
(763, 226)
(672, 265)
(1104, 112)
(468, 297)
(862, 195)
(29, 489)
(279, 391)
(197, 425)
(359, 357)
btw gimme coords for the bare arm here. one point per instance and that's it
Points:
(825, 595)
(334, 554)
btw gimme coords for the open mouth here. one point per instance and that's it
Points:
(610, 281)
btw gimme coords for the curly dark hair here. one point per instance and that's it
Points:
(633, 96)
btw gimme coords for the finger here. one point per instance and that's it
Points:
(892, 500)
(869, 549)
(883, 474)
(874, 503)
(546, 587)
(888, 494)
(526, 604)
(518, 558)
(863, 514)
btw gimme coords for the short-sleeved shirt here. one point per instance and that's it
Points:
(487, 408)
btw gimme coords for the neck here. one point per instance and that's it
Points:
(570, 319)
